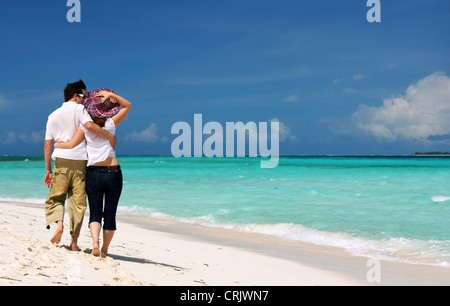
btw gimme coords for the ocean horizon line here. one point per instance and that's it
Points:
(413, 155)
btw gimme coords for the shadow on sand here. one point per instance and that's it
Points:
(137, 260)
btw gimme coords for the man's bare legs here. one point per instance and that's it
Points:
(56, 239)
(74, 244)
(59, 231)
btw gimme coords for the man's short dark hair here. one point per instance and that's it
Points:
(73, 88)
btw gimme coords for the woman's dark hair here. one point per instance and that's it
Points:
(99, 121)
(73, 88)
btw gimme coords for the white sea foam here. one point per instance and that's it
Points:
(439, 198)
(23, 200)
(139, 210)
(399, 249)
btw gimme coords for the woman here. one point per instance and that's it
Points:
(104, 176)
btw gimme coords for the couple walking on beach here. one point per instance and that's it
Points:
(83, 130)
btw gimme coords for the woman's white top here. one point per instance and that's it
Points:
(99, 149)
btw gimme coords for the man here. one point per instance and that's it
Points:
(68, 175)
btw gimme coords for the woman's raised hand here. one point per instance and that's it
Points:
(105, 94)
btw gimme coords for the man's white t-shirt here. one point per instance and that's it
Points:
(62, 125)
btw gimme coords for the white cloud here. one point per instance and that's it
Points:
(148, 135)
(349, 90)
(285, 131)
(389, 66)
(13, 137)
(293, 98)
(34, 137)
(358, 77)
(3, 101)
(8, 138)
(421, 114)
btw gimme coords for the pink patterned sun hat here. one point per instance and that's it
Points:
(98, 108)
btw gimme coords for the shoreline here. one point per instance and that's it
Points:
(148, 251)
(322, 257)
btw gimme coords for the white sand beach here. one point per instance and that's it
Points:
(162, 253)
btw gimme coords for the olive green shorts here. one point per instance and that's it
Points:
(68, 182)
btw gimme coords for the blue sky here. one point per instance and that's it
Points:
(336, 83)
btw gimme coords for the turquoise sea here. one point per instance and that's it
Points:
(394, 208)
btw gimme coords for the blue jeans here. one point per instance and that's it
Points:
(104, 182)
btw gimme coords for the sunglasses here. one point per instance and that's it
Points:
(82, 96)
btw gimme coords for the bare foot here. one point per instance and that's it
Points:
(56, 239)
(96, 252)
(104, 252)
(74, 245)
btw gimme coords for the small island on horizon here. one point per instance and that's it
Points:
(431, 154)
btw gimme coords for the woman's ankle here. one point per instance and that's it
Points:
(95, 245)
